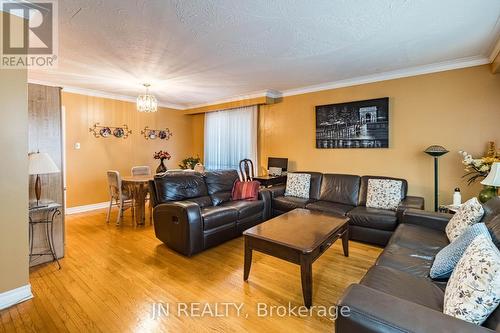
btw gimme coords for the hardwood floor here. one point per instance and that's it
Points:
(112, 276)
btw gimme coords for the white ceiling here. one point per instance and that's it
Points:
(202, 51)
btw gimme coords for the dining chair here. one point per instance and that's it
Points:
(119, 196)
(142, 170)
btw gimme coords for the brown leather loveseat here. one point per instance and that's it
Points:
(193, 212)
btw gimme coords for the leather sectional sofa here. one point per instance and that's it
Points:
(345, 195)
(193, 212)
(397, 294)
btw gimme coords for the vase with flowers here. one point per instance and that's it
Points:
(478, 168)
(162, 156)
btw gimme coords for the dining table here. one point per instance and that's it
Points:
(138, 186)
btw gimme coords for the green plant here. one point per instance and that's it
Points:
(190, 162)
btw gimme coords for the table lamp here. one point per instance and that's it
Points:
(436, 151)
(493, 180)
(40, 164)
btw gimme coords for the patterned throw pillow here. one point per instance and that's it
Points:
(297, 185)
(446, 259)
(384, 193)
(469, 213)
(473, 291)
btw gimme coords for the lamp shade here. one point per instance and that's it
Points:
(436, 150)
(493, 178)
(41, 163)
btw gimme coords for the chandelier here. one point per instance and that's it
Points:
(147, 102)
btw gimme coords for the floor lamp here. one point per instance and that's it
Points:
(436, 151)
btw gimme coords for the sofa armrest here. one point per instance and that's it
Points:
(265, 195)
(179, 225)
(277, 191)
(412, 202)
(426, 219)
(370, 310)
(409, 202)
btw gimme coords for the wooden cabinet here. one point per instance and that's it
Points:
(45, 135)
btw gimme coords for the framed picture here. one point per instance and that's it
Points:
(361, 124)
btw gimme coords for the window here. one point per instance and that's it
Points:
(230, 136)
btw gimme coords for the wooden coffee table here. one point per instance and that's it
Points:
(299, 236)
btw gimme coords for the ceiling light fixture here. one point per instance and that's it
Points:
(147, 102)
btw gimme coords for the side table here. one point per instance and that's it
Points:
(268, 181)
(450, 209)
(45, 217)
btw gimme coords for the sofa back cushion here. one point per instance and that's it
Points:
(339, 188)
(220, 184)
(491, 209)
(181, 186)
(363, 190)
(315, 186)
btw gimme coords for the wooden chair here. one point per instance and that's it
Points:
(142, 170)
(246, 170)
(119, 196)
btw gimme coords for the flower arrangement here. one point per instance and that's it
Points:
(478, 168)
(189, 162)
(162, 155)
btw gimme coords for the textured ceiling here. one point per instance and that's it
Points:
(199, 51)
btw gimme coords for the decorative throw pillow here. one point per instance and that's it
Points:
(245, 190)
(383, 193)
(297, 185)
(473, 291)
(446, 259)
(469, 213)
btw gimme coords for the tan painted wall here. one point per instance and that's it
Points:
(86, 168)
(458, 109)
(14, 183)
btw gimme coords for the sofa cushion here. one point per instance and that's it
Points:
(426, 240)
(446, 259)
(342, 189)
(217, 216)
(473, 291)
(412, 249)
(491, 209)
(373, 218)
(363, 189)
(179, 186)
(406, 260)
(469, 213)
(404, 286)
(286, 204)
(330, 207)
(493, 226)
(383, 193)
(246, 208)
(220, 184)
(202, 201)
(298, 185)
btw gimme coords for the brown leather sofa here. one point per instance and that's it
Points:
(193, 212)
(345, 195)
(397, 294)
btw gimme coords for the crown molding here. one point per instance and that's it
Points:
(496, 51)
(407, 72)
(103, 94)
(263, 93)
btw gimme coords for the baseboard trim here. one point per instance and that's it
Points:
(86, 208)
(15, 296)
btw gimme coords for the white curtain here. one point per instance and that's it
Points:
(231, 136)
